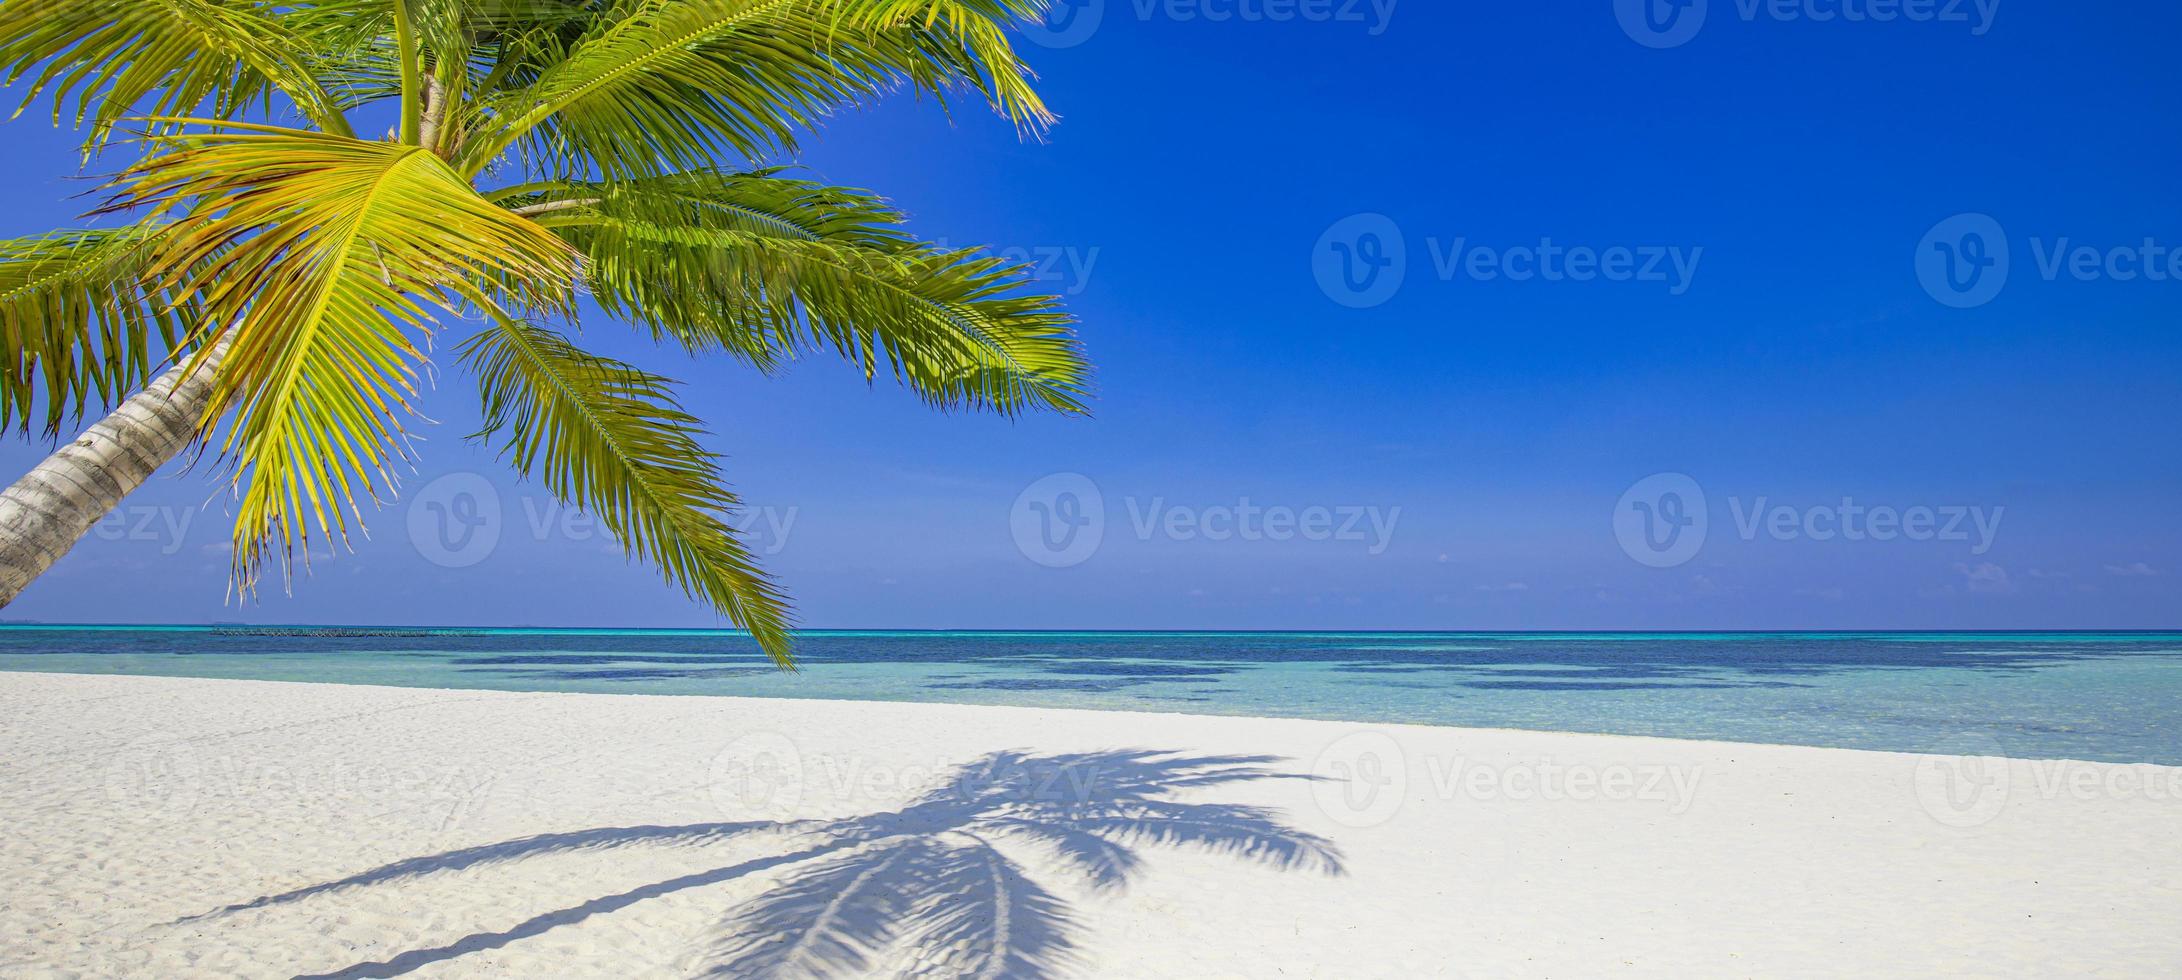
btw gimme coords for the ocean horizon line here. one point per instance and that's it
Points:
(2097, 695)
(1106, 631)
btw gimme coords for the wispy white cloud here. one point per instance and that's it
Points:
(1985, 577)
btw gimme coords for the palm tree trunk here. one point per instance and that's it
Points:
(51, 508)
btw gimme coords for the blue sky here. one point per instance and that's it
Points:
(1458, 451)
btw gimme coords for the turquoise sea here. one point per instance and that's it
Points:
(2100, 696)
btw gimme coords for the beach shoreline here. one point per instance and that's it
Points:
(184, 827)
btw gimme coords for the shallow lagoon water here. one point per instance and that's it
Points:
(2113, 697)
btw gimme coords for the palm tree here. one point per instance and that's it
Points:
(283, 274)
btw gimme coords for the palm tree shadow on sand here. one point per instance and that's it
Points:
(922, 890)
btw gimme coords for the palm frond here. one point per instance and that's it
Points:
(946, 899)
(168, 57)
(79, 312)
(986, 918)
(764, 266)
(1254, 833)
(1107, 865)
(653, 86)
(834, 919)
(323, 255)
(610, 439)
(446, 56)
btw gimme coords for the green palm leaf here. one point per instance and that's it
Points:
(322, 254)
(660, 85)
(610, 439)
(77, 316)
(174, 55)
(764, 266)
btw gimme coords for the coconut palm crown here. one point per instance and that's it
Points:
(289, 273)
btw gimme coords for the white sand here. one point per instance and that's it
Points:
(168, 828)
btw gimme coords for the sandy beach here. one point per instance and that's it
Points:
(177, 827)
